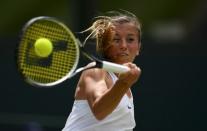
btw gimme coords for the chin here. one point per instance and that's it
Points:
(122, 61)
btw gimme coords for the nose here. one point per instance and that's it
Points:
(123, 44)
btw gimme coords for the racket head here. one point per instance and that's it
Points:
(59, 65)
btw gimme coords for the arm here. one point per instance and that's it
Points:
(102, 99)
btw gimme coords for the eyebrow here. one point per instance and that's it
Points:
(131, 34)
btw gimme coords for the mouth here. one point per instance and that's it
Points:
(123, 54)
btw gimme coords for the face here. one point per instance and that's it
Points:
(124, 43)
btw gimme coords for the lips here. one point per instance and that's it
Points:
(123, 54)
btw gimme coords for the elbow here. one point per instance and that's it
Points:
(99, 117)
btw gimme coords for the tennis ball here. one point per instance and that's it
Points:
(43, 47)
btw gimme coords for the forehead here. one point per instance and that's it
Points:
(125, 28)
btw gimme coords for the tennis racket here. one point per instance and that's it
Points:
(62, 63)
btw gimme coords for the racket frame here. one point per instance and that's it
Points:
(70, 73)
(109, 66)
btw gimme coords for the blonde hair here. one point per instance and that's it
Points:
(102, 26)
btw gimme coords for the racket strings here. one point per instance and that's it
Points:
(54, 67)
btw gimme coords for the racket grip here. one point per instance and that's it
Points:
(116, 68)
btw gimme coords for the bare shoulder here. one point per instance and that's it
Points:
(91, 80)
(96, 74)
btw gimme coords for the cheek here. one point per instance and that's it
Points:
(134, 49)
(107, 52)
(111, 52)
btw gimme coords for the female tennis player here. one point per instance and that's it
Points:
(103, 100)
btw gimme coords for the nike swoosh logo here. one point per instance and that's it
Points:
(129, 107)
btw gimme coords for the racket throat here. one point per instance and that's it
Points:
(89, 66)
(97, 63)
(108, 66)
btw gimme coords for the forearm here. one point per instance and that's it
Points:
(108, 101)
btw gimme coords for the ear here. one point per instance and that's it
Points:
(139, 48)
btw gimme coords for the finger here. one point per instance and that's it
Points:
(132, 66)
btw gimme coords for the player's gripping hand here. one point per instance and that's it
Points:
(130, 77)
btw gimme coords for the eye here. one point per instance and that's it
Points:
(116, 40)
(130, 40)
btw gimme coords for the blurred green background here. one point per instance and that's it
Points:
(171, 94)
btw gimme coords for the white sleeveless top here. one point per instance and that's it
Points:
(121, 119)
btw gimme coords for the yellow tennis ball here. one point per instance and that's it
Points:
(43, 47)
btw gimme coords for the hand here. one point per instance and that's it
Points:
(130, 77)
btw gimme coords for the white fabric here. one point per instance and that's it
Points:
(82, 119)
